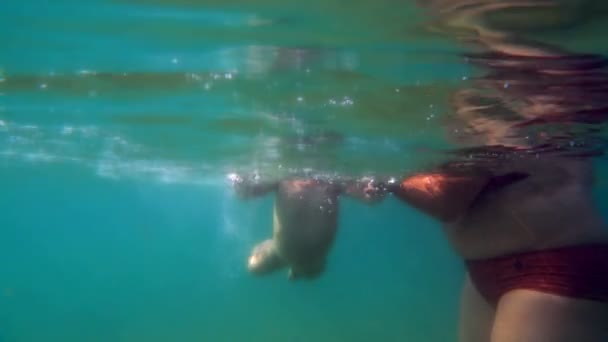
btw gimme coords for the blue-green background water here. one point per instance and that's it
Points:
(119, 121)
(91, 259)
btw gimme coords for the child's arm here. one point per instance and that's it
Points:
(247, 188)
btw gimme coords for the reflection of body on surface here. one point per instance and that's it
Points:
(519, 208)
(305, 222)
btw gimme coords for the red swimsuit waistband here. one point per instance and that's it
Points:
(573, 271)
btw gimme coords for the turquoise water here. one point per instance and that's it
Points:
(120, 119)
(87, 258)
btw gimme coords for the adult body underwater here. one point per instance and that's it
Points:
(518, 207)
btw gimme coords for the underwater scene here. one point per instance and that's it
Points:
(134, 135)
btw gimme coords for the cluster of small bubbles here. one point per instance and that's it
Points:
(194, 77)
(233, 177)
(345, 101)
(431, 115)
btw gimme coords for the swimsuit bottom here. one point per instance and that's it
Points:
(577, 271)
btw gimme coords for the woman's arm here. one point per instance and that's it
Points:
(445, 195)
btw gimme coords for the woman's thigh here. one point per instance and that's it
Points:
(476, 315)
(532, 316)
